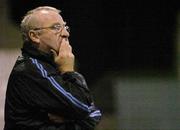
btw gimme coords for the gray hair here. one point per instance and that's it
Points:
(25, 23)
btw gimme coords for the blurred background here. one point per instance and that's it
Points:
(129, 52)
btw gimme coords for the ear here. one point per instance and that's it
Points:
(34, 36)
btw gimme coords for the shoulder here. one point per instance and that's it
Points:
(25, 66)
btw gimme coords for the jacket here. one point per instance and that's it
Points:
(36, 89)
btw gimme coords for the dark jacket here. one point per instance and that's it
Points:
(35, 88)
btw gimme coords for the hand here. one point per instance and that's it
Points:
(65, 58)
(55, 119)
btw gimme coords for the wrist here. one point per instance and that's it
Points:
(64, 70)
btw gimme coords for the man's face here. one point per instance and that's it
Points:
(51, 30)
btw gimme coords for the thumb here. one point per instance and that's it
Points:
(54, 53)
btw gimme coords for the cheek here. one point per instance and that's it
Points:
(48, 41)
(59, 40)
(51, 41)
(55, 44)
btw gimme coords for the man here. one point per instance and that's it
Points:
(44, 92)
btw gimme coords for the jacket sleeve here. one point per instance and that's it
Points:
(94, 115)
(92, 120)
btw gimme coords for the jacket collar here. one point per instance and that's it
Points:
(29, 50)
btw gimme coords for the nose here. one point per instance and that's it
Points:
(64, 32)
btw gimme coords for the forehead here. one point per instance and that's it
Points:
(46, 17)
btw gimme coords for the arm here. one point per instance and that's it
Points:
(93, 117)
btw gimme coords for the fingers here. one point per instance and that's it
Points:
(65, 46)
(65, 58)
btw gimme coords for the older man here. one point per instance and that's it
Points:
(44, 91)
